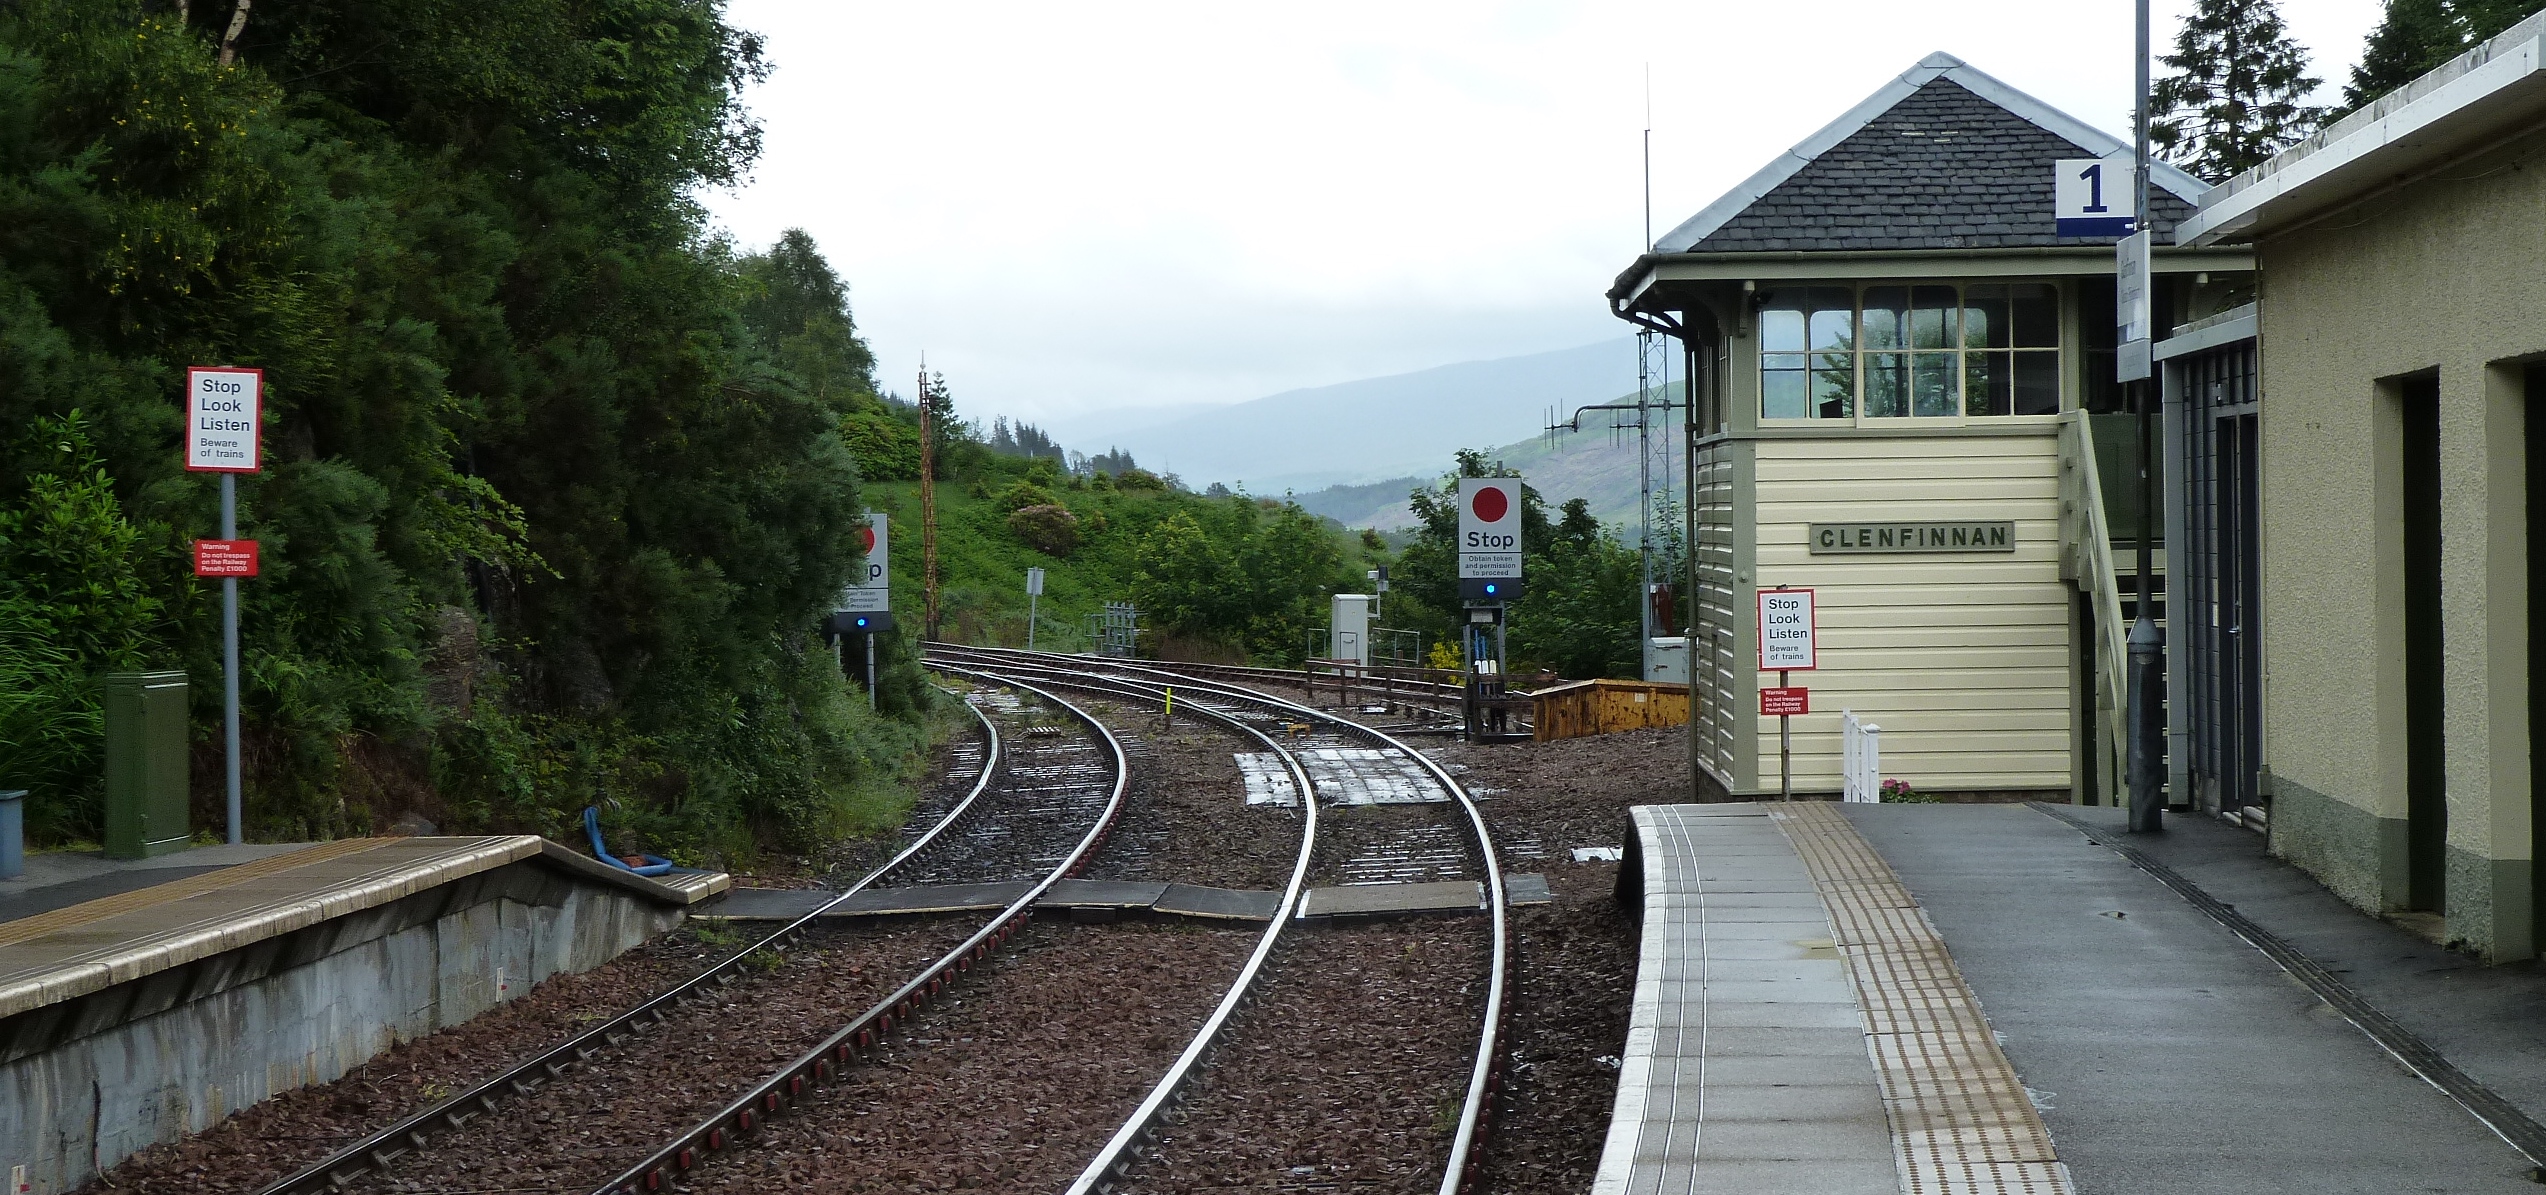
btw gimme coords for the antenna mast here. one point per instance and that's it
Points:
(928, 392)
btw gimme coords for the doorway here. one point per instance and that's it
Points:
(2426, 774)
(2533, 388)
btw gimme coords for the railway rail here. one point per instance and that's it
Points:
(439, 1124)
(1433, 700)
(1257, 715)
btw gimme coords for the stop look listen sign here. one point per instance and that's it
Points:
(224, 410)
(1787, 631)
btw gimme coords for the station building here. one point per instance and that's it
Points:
(1902, 400)
(2357, 461)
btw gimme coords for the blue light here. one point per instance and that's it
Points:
(1491, 589)
(861, 624)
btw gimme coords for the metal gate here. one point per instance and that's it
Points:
(2218, 639)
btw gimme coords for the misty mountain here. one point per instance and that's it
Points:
(1596, 464)
(1360, 432)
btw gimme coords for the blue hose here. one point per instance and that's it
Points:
(655, 865)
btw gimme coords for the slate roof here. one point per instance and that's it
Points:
(1954, 160)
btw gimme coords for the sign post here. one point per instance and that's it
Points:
(1489, 580)
(867, 605)
(1033, 596)
(225, 413)
(1788, 643)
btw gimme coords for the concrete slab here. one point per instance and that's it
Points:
(1224, 904)
(2165, 1053)
(1372, 900)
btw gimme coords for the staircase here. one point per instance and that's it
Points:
(2105, 571)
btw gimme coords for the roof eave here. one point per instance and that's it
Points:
(1697, 228)
(2503, 97)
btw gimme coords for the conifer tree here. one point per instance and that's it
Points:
(2413, 37)
(2236, 97)
(2485, 18)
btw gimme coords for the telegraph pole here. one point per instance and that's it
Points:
(928, 502)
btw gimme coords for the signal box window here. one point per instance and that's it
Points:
(1922, 350)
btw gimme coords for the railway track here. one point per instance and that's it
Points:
(1038, 770)
(1432, 703)
(1288, 729)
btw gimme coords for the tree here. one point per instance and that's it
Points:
(2235, 99)
(2487, 18)
(2414, 37)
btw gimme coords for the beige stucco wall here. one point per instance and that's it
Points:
(2448, 274)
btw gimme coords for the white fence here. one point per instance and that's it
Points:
(1860, 759)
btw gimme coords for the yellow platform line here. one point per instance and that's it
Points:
(27, 929)
(1961, 1121)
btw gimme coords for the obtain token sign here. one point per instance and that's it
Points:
(1784, 702)
(225, 558)
(1489, 528)
(874, 595)
(224, 410)
(1786, 638)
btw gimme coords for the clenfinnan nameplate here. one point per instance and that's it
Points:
(1918, 536)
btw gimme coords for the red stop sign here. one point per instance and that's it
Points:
(1490, 504)
(866, 539)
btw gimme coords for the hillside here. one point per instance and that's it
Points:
(1361, 431)
(1594, 464)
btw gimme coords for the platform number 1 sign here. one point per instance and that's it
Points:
(2095, 197)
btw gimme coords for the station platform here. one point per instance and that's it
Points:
(2004, 998)
(191, 991)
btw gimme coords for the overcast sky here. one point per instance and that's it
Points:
(1070, 208)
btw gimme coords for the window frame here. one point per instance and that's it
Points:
(2062, 352)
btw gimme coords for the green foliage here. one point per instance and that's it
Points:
(1140, 479)
(1255, 588)
(2234, 100)
(73, 605)
(555, 484)
(2415, 37)
(2412, 37)
(1045, 527)
(885, 446)
(1025, 492)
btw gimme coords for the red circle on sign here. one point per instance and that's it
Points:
(866, 539)
(1490, 504)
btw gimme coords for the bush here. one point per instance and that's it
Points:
(1046, 528)
(1141, 479)
(1025, 493)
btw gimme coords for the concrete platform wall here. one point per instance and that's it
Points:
(78, 1108)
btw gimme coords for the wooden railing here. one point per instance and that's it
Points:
(2086, 556)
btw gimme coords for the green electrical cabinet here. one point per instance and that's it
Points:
(145, 764)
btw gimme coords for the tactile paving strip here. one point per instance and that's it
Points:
(1961, 1122)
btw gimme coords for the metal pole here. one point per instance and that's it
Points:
(1030, 607)
(230, 659)
(1785, 745)
(1688, 513)
(870, 670)
(2147, 643)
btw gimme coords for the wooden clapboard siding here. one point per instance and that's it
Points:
(1964, 659)
(1719, 677)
